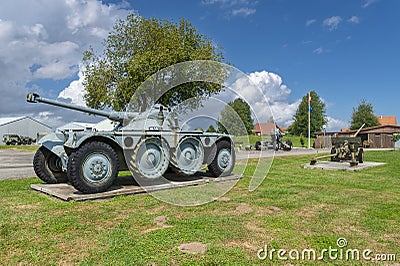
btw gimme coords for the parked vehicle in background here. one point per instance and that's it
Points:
(15, 139)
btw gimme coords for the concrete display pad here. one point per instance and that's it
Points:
(126, 185)
(329, 165)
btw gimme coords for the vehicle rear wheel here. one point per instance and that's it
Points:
(224, 160)
(47, 167)
(93, 167)
(189, 156)
(151, 159)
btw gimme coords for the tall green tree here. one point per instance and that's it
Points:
(364, 113)
(212, 129)
(240, 124)
(318, 116)
(135, 49)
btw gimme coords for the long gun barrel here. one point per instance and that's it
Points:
(358, 131)
(35, 98)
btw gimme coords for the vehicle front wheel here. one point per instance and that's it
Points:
(93, 167)
(47, 167)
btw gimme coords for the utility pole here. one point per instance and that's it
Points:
(309, 120)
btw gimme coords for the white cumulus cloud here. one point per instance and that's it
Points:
(44, 41)
(275, 92)
(75, 90)
(310, 22)
(336, 124)
(354, 20)
(332, 23)
(244, 11)
(367, 3)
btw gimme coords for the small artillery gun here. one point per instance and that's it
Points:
(345, 149)
(275, 143)
(147, 143)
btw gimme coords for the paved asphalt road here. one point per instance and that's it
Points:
(241, 155)
(17, 164)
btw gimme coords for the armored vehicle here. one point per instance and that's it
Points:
(146, 143)
(15, 139)
(345, 149)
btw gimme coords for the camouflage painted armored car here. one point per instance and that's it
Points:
(146, 143)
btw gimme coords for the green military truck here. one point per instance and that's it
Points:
(15, 139)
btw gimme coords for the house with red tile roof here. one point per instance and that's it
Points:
(387, 120)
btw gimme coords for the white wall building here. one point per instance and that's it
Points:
(23, 126)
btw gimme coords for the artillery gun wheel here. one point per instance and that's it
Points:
(189, 157)
(151, 158)
(47, 167)
(224, 160)
(361, 155)
(333, 151)
(258, 145)
(93, 167)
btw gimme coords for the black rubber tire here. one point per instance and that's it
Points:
(45, 167)
(360, 156)
(333, 151)
(258, 146)
(76, 160)
(213, 167)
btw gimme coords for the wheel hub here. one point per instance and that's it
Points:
(224, 158)
(96, 167)
(152, 158)
(189, 156)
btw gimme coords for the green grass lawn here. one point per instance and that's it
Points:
(316, 207)
(27, 148)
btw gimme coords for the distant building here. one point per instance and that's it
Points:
(23, 126)
(387, 120)
(372, 137)
(264, 128)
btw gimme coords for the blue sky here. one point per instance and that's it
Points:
(344, 50)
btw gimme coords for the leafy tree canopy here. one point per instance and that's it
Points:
(318, 117)
(237, 126)
(211, 128)
(137, 48)
(364, 113)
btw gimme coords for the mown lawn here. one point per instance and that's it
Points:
(294, 208)
(27, 148)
